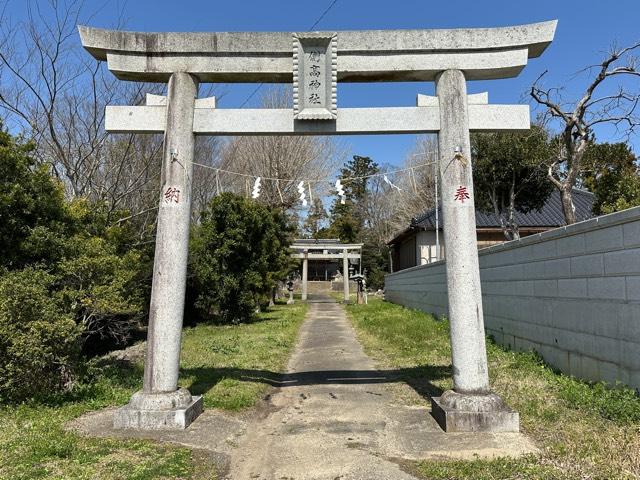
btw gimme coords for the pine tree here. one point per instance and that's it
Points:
(349, 219)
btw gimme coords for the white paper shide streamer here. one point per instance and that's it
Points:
(255, 193)
(307, 183)
(386, 179)
(340, 190)
(303, 197)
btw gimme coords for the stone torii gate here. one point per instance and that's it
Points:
(309, 251)
(315, 62)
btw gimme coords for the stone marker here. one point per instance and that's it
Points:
(305, 274)
(321, 59)
(290, 289)
(345, 275)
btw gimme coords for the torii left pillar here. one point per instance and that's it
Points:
(161, 404)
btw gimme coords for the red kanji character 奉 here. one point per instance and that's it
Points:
(462, 194)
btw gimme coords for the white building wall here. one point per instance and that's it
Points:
(426, 251)
(572, 294)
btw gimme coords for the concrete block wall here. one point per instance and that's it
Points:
(572, 294)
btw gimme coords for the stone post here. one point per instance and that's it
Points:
(305, 274)
(360, 294)
(160, 404)
(470, 406)
(345, 274)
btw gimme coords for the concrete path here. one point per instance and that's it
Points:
(334, 416)
(331, 412)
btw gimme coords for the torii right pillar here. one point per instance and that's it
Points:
(470, 406)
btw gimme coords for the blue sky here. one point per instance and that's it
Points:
(585, 32)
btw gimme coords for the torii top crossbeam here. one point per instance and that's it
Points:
(351, 56)
(363, 56)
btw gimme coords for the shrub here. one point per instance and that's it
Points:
(39, 342)
(102, 280)
(237, 253)
(101, 288)
(69, 276)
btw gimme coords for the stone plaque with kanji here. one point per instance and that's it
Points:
(315, 76)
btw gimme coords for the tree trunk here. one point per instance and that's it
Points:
(566, 195)
(512, 225)
(509, 226)
(514, 231)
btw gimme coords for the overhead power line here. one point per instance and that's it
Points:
(323, 14)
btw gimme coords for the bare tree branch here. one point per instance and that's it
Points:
(294, 158)
(56, 94)
(576, 124)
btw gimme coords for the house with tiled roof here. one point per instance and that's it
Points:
(416, 245)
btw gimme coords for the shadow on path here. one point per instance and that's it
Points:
(419, 378)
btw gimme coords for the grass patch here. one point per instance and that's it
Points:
(34, 443)
(229, 365)
(232, 366)
(583, 430)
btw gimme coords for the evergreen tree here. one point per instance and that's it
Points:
(349, 219)
(350, 222)
(509, 175)
(238, 252)
(29, 200)
(612, 173)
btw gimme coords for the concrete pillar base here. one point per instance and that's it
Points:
(159, 411)
(461, 412)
